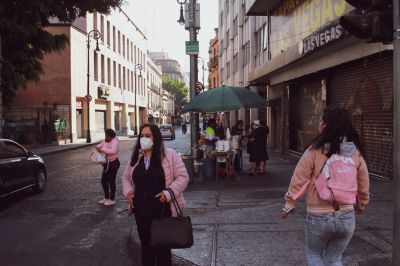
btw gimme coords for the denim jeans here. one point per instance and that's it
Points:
(327, 236)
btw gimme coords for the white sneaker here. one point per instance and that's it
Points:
(103, 201)
(109, 202)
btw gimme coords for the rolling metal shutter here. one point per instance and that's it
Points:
(365, 88)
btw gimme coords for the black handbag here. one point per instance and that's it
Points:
(172, 232)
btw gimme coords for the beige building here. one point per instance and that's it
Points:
(155, 92)
(115, 84)
(296, 55)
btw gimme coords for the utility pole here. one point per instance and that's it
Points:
(396, 137)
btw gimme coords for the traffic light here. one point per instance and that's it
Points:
(371, 21)
(199, 87)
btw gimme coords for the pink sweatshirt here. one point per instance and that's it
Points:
(110, 148)
(176, 178)
(309, 166)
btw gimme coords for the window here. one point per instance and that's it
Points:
(102, 69)
(119, 76)
(221, 19)
(235, 63)
(108, 33)
(128, 82)
(235, 27)
(246, 53)
(124, 78)
(95, 20)
(131, 52)
(227, 39)
(135, 54)
(261, 39)
(132, 81)
(113, 38)
(102, 28)
(115, 73)
(127, 49)
(96, 78)
(100, 117)
(119, 42)
(13, 151)
(228, 69)
(123, 45)
(108, 71)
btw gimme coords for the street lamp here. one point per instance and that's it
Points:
(137, 67)
(95, 34)
(181, 19)
(202, 60)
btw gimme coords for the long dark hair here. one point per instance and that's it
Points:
(338, 124)
(158, 146)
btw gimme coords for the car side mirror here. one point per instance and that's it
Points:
(30, 154)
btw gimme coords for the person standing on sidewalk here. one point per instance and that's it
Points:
(258, 151)
(151, 170)
(328, 227)
(110, 147)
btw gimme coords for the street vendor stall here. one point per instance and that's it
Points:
(225, 98)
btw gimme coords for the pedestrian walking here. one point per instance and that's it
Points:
(258, 148)
(329, 224)
(151, 170)
(110, 147)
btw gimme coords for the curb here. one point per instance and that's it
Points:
(72, 148)
(66, 149)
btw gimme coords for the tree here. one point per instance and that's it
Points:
(25, 41)
(178, 89)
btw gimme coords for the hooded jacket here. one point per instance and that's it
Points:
(310, 166)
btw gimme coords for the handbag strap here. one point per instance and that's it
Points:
(175, 202)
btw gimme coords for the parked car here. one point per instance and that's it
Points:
(20, 169)
(167, 131)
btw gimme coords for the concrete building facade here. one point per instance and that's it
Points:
(115, 86)
(297, 56)
(213, 77)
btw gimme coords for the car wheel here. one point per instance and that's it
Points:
(40, 181)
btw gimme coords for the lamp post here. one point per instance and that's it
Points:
(95, 34)
(192, 25)
(202, 67)
(137, 67)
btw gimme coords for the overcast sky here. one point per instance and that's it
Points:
(158, 19)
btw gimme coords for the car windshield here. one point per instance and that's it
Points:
(165, 126)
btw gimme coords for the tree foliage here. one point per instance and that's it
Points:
(178, 89)
(24, 40)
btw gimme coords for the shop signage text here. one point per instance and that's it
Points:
(321, 38)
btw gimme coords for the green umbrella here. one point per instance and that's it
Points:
(225, 98)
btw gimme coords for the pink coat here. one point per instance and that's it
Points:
(176, 178)
(110, 148)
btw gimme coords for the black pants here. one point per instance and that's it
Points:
(151, 256)
(108, 179)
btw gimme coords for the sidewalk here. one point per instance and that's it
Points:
(49, 149)
(238, 222)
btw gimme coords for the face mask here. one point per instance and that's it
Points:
(146, 143)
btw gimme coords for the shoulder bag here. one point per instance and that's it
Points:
(172, 232)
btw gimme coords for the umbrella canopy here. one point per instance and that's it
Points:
(225, 98)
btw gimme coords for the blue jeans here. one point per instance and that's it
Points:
(327, 236)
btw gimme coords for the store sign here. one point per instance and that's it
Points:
(192, 48)
(321, 38)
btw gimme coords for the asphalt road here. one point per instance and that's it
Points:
(65, 225)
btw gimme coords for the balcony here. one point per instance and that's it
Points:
(260, 7)
(213, 62)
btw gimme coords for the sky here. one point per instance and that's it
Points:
(158, 20)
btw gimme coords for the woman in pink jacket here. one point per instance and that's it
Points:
(110, 147)
(329, 225)
(150, 171)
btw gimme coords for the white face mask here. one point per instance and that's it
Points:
(146, 143)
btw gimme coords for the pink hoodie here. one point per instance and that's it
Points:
(176, 178)
(110, 148)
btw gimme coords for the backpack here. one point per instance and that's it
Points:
(337, 181)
